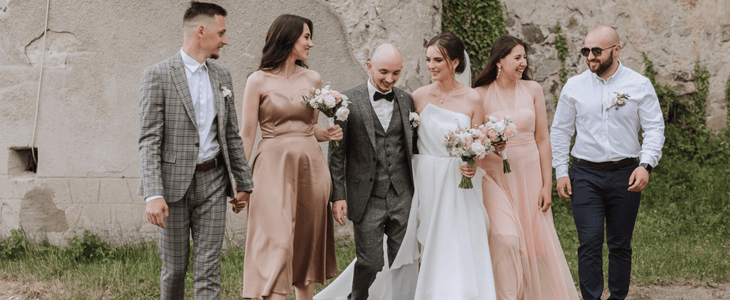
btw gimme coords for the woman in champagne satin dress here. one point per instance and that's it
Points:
(290, 237)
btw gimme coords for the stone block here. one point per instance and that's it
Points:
(84, 190)
(9, 215)
(114, 191)
(96, 217)
(38, 213)
(6, 188)
(61, 190)
(132, 184)
(128, 219)
(22, 186)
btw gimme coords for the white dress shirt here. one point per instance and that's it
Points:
(204, 106)
(605, 133)
(383, 108)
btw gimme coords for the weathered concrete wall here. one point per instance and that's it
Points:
(88, 122)
(674, 34)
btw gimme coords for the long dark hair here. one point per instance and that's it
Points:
(449, 45)
(501, 48)
(280, 39)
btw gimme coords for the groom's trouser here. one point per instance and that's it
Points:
(388, 216)
(202, 212)
(600, 195)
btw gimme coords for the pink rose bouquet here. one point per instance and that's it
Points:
(330, 102)
(498, 131)
(468, 144)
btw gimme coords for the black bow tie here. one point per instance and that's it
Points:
(389, 96)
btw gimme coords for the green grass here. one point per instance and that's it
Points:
(682, 235)
(82, 271)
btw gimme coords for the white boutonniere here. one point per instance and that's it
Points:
(225, 92)
(618, 100)
(415, 119)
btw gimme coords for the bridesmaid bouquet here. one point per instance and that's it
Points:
(330, 102)
(468, 144)
(498, 131)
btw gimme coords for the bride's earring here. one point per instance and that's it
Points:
(499, 70)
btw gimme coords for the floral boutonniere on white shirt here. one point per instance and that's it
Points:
(225, 92)
(618, 100)
(415, 119)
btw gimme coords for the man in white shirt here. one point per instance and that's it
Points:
(191, 154)
(605, 107)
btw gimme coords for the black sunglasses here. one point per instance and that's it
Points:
(596, 50)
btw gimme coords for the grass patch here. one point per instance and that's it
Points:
(682, 235)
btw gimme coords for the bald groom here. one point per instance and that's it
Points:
(371, 169)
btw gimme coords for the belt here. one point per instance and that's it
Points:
(608, 165)
(213, 163)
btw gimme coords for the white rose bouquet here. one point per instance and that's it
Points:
(330, 102)
(468, 144)
(497, 131)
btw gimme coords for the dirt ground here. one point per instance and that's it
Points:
(11, 289)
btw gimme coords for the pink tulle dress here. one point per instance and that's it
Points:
(527, 259)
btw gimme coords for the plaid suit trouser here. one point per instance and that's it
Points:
(202, 213)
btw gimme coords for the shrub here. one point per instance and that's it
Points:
(478, 23)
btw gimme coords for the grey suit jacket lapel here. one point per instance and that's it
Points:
(363, 101)
(181, 85)
(404, 112)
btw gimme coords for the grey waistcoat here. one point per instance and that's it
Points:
(392, 160)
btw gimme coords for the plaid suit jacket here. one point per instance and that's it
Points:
(169, 134)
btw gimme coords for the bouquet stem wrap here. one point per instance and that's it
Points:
(466, 181)
(505, 163)
(331, 121)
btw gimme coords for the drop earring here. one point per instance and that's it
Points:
(499, 70)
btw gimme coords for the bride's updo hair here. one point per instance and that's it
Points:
(449, 45)
(283, 33)
(500, 49)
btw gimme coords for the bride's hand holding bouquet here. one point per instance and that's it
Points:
(468, 145)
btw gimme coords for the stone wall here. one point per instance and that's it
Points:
(88, 125)
(674, 34)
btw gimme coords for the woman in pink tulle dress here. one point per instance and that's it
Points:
(528, 261)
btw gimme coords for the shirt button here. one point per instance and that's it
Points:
(371, 180)
(197, 144)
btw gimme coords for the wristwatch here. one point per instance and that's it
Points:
(646, 166)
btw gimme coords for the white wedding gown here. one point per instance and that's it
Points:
(449, 223)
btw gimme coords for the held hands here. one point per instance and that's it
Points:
(468, 171)
(545, 199)
(334, 133)
(155, 209)
(638, 180)
(340, 207)
(240, 202)
(563, 184)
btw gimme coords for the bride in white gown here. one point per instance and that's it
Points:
(450, 224)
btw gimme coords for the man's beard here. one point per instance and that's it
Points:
(214, 56)
(603, 67)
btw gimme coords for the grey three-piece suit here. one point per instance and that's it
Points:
(371, 170)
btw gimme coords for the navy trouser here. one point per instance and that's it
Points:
(602, 196)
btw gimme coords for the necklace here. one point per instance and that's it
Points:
(447, 95)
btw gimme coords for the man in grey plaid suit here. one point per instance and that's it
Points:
(192, 156)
